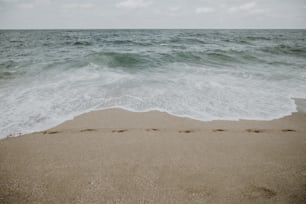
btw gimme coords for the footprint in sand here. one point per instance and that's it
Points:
(255, 130)
(51, 132)
(255, 192)
(152, 129)
(288, 130)
(88, 130)
(119, 131)
(186, 131)
(219, 130)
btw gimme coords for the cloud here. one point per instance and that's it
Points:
(26, 5)
(258, 11)
(232, 9)
(248, 6)
(203, 10)
(77, 6)
(133, 4)
(9, 1)
(174, 8)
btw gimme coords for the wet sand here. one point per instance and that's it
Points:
(116, 156)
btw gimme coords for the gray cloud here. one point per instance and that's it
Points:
(133, 4)
(204, 10)
(152, 14)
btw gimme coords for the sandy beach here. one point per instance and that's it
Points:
(116, 156)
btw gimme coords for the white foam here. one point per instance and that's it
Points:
(203, 93)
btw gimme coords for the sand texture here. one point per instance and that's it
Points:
(116, 156)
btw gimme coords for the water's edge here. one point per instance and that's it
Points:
(300, 107)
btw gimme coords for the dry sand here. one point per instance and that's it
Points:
(116, 156)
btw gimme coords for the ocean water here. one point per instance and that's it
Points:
(47, 77)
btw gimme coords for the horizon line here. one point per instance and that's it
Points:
(152, 28)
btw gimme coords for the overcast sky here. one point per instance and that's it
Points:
(39, 14)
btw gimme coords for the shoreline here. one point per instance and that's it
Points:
(117, 156)
(300, 104)
(90, 119)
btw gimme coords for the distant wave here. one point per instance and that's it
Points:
(117, 59)
(295, 50)
(133, 60)
(83, 43)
